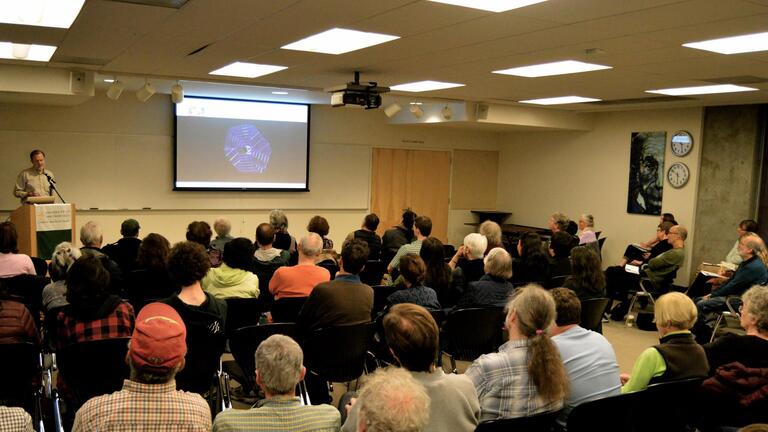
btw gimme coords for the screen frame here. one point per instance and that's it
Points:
(244, 189)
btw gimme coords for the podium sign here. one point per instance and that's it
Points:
(53, 225)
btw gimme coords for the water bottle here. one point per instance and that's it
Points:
(630, 320)
(263, 319)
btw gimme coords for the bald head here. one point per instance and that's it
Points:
(310, 245)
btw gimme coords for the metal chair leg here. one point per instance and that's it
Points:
(717, 327)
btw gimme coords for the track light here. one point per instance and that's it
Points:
(177, 93)
(146, 92)
(391, 110)
(416, 110)
(446, 112)
(115, 90)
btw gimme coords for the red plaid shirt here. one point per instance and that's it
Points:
(115, 325)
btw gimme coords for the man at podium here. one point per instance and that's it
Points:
(35, 181)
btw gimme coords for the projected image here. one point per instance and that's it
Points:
(247, 149)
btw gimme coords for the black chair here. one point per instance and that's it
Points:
(243, 344)
(242, 312)
(19, 364)
(93, 368)
(41, 266)
(264, 271)
(592, 313)
(543, 422)
(27, 289)
(145, 286)
(373, 272)
(438, 315)
(287, 309)
(469, 333)
(337, 354)
(203, 360)
(679, 399)
(611, 414)
(449, 251)
(331, 266)
(600, 243)
(380, 294)
(556, 281)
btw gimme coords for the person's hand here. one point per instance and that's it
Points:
(33, 194)
(350, 404)
(637, 262)
(624, 378)
(707, 297)
(646, 255)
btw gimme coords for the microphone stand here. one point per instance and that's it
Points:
(52, 183)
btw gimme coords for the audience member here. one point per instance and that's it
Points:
(586, 229)
(267, 254)
(319, 225)
(91, 237)
(439, 276)
(638, 256)
(393, 401)
(469, 258)
(745, 227)
(200, 232)
(558, 222)
(367, 233)
(559, 254)
(493, 288)
(677, 356)
(54, 294)
(279, 369)
(422, 228)
(526, 376)
(151, 281)
(638, 251)
(149, 400)
(492, 232)
(12, 263)
(16, 323)
(234, 279)
(587, 279)
(532, 264)
(15, 419)
(299, 280)
(125, 251)
(283, 240)
(589, 359)
(397, 236)
(413, 269)
(222, 226)
(412, 335)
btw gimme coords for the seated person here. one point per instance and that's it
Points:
(559, 254)
(151, 281)
(16, 323)
(319, 225)
(267, 254)
(12, 263)
(397, 236)
(392, 400)
(532, 264)
(299, 280)
(412, 336)
(412, 268)
(91, 237)
(200, 232)
(677, 356)
(640, 251)
(558, 222)
(494, 288)
(15, 419)
(233, 279)
(223, 227)
(367, 233)
(586, 229)
(54, 294)
(149, 400)
(279, 369)
(526, 376)
(125, 251)
(587, 279)
(283, 239)
(447, 284)
(422, 228)
(469, 258)
(492, 233)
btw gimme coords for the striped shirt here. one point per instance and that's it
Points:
(145, 407)
(503, 386)
(15, 420)
(412, 248)
(280, 415)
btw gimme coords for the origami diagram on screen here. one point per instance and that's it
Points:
(247, 149)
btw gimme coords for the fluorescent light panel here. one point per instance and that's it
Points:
(698, 90)
(41, 13)
(734, 44)
(560, 100)
(246, 70)
(339, 41)
(491, 5)
(422, 86)
(41, 53)
(280, 92)
(554, 68)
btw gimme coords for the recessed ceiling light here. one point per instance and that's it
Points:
(59, 13)
(109, 80)
(560, 100)
(554, 68)
(13, 51)
(246, 70)
(339, 41)
(707, 89)
(280, 92)
(491, 5)
(734, 44)
(422, 86)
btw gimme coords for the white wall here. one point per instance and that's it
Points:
(588, 172)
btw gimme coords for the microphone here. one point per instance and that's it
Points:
(50, 179)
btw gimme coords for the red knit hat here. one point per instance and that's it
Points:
(159, 339)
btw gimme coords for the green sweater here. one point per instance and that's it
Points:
(664, 265)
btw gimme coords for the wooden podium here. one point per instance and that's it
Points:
(42, 226)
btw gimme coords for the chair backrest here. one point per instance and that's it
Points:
(472, 332)
(145, 286)
(331, 266)
(29, 288)
(438, 315)
(679, 399)
(543, 422)
(338, 353)
(449, 250)
(380, 294)
(601, 242)
(611, 414)
(41, 266)
(94, 368)
(242, 312)
(373, 272)
(592, 313)
(245, 340)
(287, 309)
(556, 281)
(204, 350)
(19, 363)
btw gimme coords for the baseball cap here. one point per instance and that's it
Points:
(159, 338)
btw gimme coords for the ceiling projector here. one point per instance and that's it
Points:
(354, 93)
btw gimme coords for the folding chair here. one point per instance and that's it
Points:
(724, 316)
(543, 422)
(338, 354)
(380, 294)
(592, 313)
(287, 309)
(468, 333)
(20, 364)
(331, 266)
(556, 281)
(610, 414)
(643, 292)
(373, 272)
(242, 312)
(243, 343)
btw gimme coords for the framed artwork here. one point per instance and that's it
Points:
(646, 173)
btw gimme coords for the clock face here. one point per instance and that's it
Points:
(678, 174)
(682, 143)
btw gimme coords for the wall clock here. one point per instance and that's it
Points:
(678, 174)
(681, 143)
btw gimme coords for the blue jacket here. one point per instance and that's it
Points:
(750, 272)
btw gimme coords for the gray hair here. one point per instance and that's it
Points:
(756, 301)
(492, 231)
(393, 401)
(64, 255)
(278, 219)
(311, 245)
(498, 263)
(561, 220)
(476, 245)
(589, 220)
(91, 234)
(279, 361)
(682, 232)
(222, 226)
